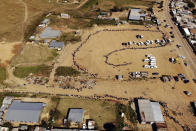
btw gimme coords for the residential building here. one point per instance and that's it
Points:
(136, 15)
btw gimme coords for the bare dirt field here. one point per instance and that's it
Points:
(11, 23)
(92, 54)
(7, 53)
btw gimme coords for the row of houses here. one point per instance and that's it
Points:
(185, 20)
(49, 35)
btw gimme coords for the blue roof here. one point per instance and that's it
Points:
(49, 33)
(24, 112)
(56, 44)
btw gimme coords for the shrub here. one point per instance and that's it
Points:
(2, 74)
(66, 71)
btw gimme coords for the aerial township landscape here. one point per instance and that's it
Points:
(98, 65)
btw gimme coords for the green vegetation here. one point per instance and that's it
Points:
(130, 115)
(66, 71)
(95, 4)
(8, 124)
(30, 30)
(70, 37)
(161, 4)
(120, 108)
(24, 71)
(190, 4)
(103, 22)
(2, 74)
(194, 11)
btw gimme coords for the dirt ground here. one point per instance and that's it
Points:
(91, 55)
(7, 53)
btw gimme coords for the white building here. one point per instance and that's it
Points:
(150, 112)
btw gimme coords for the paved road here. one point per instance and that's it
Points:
(186, 50)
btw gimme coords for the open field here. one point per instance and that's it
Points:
(7, 52)
(91, 54)
(24, 71)
(11, 23)
(34, 55)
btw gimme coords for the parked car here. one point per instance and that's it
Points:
(188, 93)
(176, 78)
(186, 64)
(155, 73)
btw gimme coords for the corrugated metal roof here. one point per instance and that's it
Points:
(150, 111)
(55, 44)
(76, 115)
(24, 112)
(48, 33)
(135, 14)
(158, 117)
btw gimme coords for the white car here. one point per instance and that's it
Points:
(146, 66)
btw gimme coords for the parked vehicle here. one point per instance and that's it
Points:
(176, 78)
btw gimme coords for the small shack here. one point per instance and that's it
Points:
(136, 15)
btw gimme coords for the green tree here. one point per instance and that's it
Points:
(191, 4)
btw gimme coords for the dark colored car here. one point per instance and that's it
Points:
(186, 81)
(155, 73)
(176, 78)
(194, 80)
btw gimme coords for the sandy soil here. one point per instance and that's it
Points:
(6, 50)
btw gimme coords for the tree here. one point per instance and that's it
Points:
(194, 11)
(191, 4)
(8, 124)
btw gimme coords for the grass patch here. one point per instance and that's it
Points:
(101, 111)
(24, 71)
(36, 54)
(66, 71)
(97, 4)
(2, 74)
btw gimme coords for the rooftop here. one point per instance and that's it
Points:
(56, 44)
(49, 33)
(24, 112)
(135, 14)
(76, 115)
(150, 111)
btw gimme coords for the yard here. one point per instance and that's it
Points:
(34, 55)
(100, 111)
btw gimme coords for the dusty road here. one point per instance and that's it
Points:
(186, 50)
